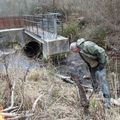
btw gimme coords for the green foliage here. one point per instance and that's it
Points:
(96, 34)
(99, 33)
(56, 58)
(71, 31)
(9, 44)
(93, 103)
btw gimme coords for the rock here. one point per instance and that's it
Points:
(115, 102)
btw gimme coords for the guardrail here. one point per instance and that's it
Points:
(44, 25)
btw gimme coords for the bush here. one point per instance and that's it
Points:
(96, 34)
(99, 33)
(71, 31)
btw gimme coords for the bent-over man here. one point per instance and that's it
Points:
(96, 59)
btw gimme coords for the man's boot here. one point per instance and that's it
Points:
(107, 103)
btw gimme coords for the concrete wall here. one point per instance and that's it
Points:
(47, 48)
(55, 47)
(11, 36)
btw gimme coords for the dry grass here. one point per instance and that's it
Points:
(59, 100)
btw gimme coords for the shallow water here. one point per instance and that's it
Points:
(16, 61)
(19, 61)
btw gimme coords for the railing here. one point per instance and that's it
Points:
(44, 25)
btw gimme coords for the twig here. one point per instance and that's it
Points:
(8, 114)
(65, 78)
(91, 95)
(50, 92)
(35, 103)
(18, 116)
(26, 73)
(12, 98)
(21, 102)
(7, 74)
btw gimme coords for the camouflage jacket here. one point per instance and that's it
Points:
(91, 53)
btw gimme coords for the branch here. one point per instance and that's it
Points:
(65, 78)
(20, 116)
(83, 99)
(21, 102)
(12, 98)
(68, 79)
(8, 114)
(35, 103)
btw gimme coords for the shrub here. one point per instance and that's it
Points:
(100, 33)
(97, 34)
(71, 31)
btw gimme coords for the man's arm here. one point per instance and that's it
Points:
(101, 55)
(95, 50)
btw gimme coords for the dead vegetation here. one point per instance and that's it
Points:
(37, 94)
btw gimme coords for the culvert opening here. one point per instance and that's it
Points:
(33, 49)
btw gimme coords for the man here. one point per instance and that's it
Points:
(96, 59)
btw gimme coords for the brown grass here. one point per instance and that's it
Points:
(59, 100)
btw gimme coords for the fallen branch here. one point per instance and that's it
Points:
(14, 116)
(8, 114)
(4, 54)
(69, 80)
(20, 116)
(65, 78)
(83, 98)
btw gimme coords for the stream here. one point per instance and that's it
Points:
(17, 60)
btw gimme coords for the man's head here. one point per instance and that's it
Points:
(74, 45)
(74, 48)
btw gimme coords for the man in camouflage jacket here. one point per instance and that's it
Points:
(96, 59)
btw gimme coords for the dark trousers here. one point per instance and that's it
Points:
(99, 81)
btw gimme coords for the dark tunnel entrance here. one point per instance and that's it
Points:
(33, 49)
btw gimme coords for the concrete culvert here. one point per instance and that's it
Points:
(33, 49)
